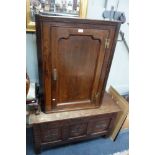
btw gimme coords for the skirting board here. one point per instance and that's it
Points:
(121, 89)
(123, 104)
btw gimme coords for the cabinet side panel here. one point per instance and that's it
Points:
(113, 35)
(44, 62)
(46, 57)
(40, 63)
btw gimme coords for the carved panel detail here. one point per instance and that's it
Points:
(100, 125)
(78, 130)
(49, 133)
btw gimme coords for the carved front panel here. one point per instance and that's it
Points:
(100, 125)
(78, 130)
(50, 133)
(69, 130)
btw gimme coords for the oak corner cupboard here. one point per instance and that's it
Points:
(74, 58)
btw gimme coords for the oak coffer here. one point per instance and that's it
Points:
(74, 57)
(55, 129)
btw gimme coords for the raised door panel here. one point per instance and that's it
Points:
(77, 58)
(76, 67)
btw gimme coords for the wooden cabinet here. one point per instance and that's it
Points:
(74, 60)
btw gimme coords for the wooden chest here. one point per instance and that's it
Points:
(74, 57)
(65, 127)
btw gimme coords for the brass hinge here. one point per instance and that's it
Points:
(96, 96)
(107, 43)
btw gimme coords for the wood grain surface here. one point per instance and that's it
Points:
(108, 106)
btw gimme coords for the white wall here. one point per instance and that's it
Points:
(119, 73)
(95, 9)
(31, 57)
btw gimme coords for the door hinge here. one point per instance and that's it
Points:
(107, 43)
(54, 74)
(96, 96)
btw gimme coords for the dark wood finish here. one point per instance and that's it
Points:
(61, 132)
(61, 128)
(74, 61)
(37, 144)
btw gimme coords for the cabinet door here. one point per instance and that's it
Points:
(77, 58)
